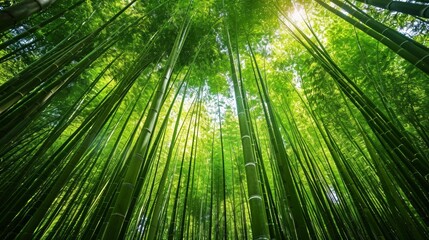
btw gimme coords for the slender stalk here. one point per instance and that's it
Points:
(259, 222)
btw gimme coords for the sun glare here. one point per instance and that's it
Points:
(297, 15)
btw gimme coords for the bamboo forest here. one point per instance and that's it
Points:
(214, 119)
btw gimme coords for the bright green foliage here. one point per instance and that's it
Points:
(214, 120)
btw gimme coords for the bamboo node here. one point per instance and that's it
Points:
(388, 5)
(423, 12)
(140, 156)
(421, 60)
(118, 214)
(255, 197)
(261, 238)
(128, 185)
(367, 20)
(399, 50)
(399, 147)
(250, 164)
(245, 136)
(147, 130)
(402, 43)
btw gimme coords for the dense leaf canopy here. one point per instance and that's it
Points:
(226, 119)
